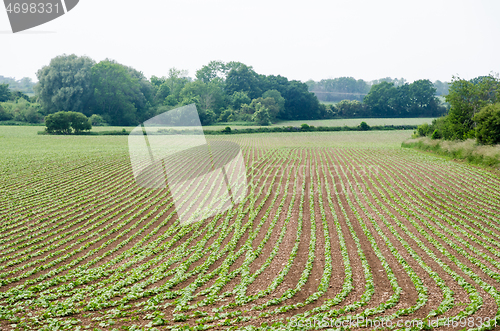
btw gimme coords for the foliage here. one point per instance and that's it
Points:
(488, 125)
(65, 84)
(364, 127)
(407, 100)
(114, 93)
(238, 99)
(21, 110)
(4, 92)
(466, 99)
(467, 150)
(64, 122)
(472, 113)
(261, 115)
(351, 109)
(4, 115)
(24, 84)
(97, 120)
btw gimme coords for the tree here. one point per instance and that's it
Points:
(4, 92)
(261, 115)
(4, 115)
(211, 71)
(207, 96)
(62, 122)
(363, 126)
(238, 99)
(97, 120)
(300, 104)
(349, 109)
(79, 122)
(280, 101)
(466, 98)
(488, 125)
(142, 101)
(243, 79)
(58, 123)
(162, 92)
(381, 98)
(65, 84)
(114, 93)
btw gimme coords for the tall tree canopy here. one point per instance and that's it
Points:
(65, 84)
(115, 92)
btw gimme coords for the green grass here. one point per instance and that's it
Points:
(469, 151)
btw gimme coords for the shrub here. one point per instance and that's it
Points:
(63, 122)
(488, 125)
(4, 115)
(436, 135)
(58, 123)
(364, 126)
(97, 120)
(423, 130)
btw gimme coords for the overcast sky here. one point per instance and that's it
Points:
(424, 39)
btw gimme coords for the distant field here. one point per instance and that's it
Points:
(336, 122)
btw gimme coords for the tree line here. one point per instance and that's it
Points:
(122, 95)
(115, 94)
(474, 112)
(348, 88)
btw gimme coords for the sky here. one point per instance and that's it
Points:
(300, 40)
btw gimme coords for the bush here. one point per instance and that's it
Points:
(97, 120)
(4, 115)
(423, 130)
(364, 126)
(436, 135)
(305, 127)
(63, 122)
(262, 117)
(488, 125)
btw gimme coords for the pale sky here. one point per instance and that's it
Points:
(425, 39)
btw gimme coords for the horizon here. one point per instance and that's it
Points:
(320, 40)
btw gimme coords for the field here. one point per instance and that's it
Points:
(334, 122)
(337, 228)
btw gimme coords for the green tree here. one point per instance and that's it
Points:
(351, 108)
(65, 84)
(300, 104)
(65, 121)
(364, 126)
(488, 125)
(243, 79)
(466, 99)
(4, 92)
(114, 93)
(78, 121)
(4, 115)
(58, 122)
(162, 92)
(97, 120)
(280, 101)
(381, 98)
(238, 99)
(207, 96)
(262, 116)
(214, 69)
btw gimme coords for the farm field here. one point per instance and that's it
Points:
(334, 122)
(337, 229)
